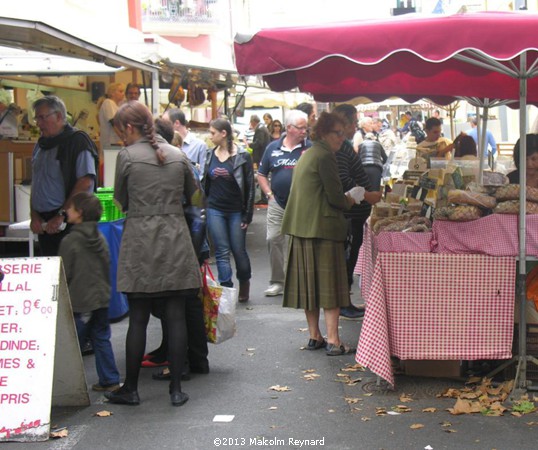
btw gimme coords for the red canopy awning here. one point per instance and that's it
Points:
(412, 57)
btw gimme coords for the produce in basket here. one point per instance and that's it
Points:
(461, 197)
(511, 192)
(462, 213)
(512, 207)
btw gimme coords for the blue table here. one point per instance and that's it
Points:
(118, 301)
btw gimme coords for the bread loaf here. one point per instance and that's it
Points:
(460, 197)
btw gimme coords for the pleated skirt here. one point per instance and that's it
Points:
(315, 275)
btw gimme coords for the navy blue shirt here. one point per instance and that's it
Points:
(224, 193)
(280, 161)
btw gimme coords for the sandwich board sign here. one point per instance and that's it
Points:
(40, 360)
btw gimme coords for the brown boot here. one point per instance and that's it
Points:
(244, 289)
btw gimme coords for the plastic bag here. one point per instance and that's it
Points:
(219, 304)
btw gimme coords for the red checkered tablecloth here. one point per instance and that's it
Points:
(366, 261)
(494, 235)
(437, 306)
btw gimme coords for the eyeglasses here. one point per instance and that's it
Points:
(338, 133)
(301, 128)
(42, 117)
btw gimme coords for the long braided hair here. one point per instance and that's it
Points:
(224, 125)
(138, 116)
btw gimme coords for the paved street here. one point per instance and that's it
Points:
(267, 352)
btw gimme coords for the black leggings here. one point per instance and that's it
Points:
(139, 313)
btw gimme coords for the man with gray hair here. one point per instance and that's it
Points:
(64, 162)
(278, 161)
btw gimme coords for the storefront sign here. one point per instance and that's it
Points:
(34, 313)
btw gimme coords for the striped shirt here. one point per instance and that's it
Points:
(352, 174)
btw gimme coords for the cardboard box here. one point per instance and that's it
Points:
(433, 368)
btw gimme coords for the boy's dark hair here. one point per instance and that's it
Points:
(164, 128)
(88, 205)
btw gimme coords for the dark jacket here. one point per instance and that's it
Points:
(259, 142)
(244, 176)
(372, 153)
(352, 174)
(86, 260)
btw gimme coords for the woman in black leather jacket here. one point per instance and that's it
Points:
(229, 186)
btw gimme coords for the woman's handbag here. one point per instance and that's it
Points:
(219, 304)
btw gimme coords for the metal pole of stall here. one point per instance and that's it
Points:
(522, 275)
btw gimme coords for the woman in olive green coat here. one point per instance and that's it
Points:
(316, 271)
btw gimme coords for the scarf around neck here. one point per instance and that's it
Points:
(46, 143)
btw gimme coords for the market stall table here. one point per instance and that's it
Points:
(436, 306)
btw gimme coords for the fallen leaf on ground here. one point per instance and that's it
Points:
(58, 434)
(353, 381)
(405, 398)
(450, 430)
(524, 407)
(401, 408)
(103, 413)
(365, 419)
(309, 371)
(465, 407)
(379, 411)
(369, 394)
(429, 410)
(352, 400)
(279, 388)
(353, 368)
(446, 424)
(311, 376)
(416, 426)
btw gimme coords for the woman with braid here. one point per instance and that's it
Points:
(157, 265)
(229, 186)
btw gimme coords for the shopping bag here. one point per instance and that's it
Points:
(219, 303)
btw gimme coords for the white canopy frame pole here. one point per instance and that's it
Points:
(482, 141)
(155, 93)
(521, 373)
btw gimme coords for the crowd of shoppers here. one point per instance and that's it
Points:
(158, 266)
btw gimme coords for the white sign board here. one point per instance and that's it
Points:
(34, 312)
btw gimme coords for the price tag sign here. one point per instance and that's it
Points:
(30, 294)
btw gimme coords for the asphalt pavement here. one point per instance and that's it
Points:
(280, 396)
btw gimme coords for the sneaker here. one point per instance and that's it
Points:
(105, 388)
(351, 313)
(274, 290)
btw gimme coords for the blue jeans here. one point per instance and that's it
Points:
(96, 326)
(226, 234)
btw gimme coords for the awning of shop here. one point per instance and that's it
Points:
(40, 37)
(15, 61)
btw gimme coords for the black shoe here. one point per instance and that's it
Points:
(123, 397)
(87, 349)
(356, 308)
(316, 345)
(204, 369)
(348, 313)
(178, 398)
